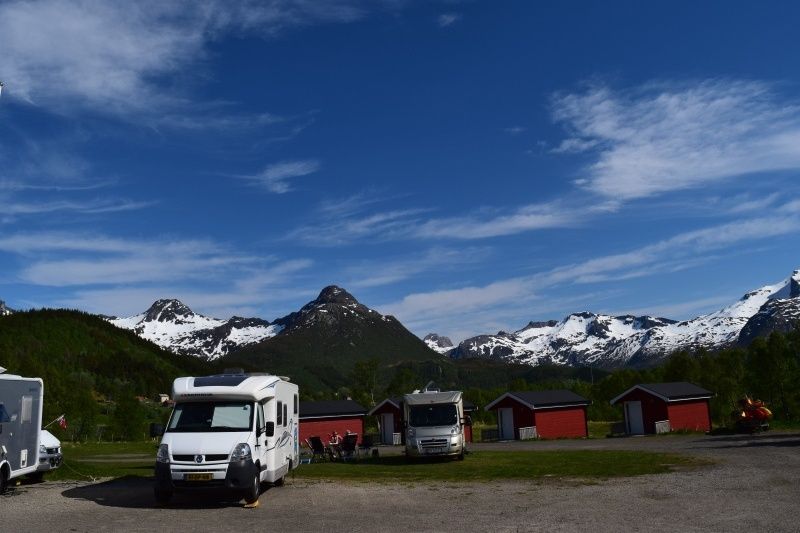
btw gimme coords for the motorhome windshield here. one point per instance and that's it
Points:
(433, 415)
(202, 417)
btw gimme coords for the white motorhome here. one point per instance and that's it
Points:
(435, 424)
(21, 401)
(230, 431)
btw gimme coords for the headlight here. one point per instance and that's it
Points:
(42, 448)
(163, 454)
(241, 452)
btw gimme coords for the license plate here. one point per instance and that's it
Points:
(434, 450)
(198, 477)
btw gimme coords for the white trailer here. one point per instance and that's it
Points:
(229, 431)
(435, 424)
(21, 401)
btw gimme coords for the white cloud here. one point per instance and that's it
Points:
(514, 298)
(111, 57)
(275, 178)
(660, 138)
(447, 19)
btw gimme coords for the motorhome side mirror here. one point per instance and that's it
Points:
(467, 420)
(270, 429)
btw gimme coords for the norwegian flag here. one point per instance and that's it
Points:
(62, 422)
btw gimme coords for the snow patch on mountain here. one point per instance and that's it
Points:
(438, 343)
(5, 310)
(602, 340)
(173, 326)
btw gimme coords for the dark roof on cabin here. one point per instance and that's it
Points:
(676, 390)
(670, 392)
(549, 398)
(330, 408)
(541, 399)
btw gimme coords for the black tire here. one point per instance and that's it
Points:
(163, 496)
(251, 495)
(3, 480)
(461, 456)
(279, 482)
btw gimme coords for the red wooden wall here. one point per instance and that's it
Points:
(561, 422)
(691, 415)
(323, 427)
(653, 409)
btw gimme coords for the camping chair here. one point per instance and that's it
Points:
(317, 448)
(349, 446)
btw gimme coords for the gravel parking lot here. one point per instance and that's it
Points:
(754, 485)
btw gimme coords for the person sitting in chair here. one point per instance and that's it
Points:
(335, 445)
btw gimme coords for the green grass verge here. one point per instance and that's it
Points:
(118, 459)
(493, 466)
(105, 459)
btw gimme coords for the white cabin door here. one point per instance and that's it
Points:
(387, 428)
(505, 421)
(633, 417)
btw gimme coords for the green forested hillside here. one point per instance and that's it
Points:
(92, 371)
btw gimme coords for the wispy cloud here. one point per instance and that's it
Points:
(514, 297)
(448, 19)
(275, 178)
(389, 271)
(665, 137)
(12, 208)
(108, 56)
(115, 275)
(515, 130)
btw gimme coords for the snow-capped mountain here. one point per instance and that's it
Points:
(333, 325)
(438, 343)
(175, 327)
(5, 310)
(602, 340)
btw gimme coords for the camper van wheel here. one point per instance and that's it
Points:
(461, 456)
(251, 495)
(163, 496)
(3, 479)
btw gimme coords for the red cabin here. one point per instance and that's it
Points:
(550, 414)
(664, 407)
(322, 418)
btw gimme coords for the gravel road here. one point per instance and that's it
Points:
(754, 485)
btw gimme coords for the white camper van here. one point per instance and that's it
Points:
(435, 424)
(21, 401)
(229, 431)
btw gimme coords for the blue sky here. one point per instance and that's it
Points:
(466, 166)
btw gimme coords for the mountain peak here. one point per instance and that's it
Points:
(335, 295)
(167, 310)
(4, 310)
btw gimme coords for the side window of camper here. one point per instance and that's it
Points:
(279, 422)
(260, 418)
(285, 417)
(295, 404)
(27, 408)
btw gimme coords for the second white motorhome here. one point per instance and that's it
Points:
(21, 401)
(230, 431)
(435, 424)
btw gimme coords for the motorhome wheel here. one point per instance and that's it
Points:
(252, 494)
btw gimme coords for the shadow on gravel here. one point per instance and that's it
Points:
(131, 492)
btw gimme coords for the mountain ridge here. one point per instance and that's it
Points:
(602, 340)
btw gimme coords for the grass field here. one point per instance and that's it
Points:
(103, 460)
(488, 466)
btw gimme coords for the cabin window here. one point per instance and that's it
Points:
(260, 418)
(295, 404)
(280, 414)
(27, 408)
(285, 417)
